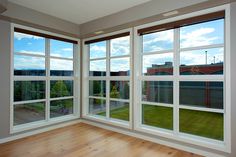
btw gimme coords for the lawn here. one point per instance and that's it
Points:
(205, 124)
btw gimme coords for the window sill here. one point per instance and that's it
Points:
(186, 138)
(110, 121)
(43, 123)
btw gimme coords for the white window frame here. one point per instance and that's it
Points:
(225, 145)
(47, 78)
(86, 78)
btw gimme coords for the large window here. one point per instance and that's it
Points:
(108, 78)
(179, 72)
(44, 78)
(181, 77)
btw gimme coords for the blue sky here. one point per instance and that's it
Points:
(29, 44)
(190, 36)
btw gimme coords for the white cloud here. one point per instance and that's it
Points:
(166, 36)
(120, 64)
(97, 51)
(20, 36)
(199, 57)
(159, 59)
(197, 37)
(26, 62)
(59, 64)
(158, 41)
(99, 65)
(120, 46)
(32, 52)
(67, 49)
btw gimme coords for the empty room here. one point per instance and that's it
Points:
(117, 78)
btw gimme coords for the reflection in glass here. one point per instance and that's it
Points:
(61, 49)
(60, 108)
(158, 64)
(202, 94)
(60, 67)
(201, 123)
(158, 91)
(119, 89)
(61, 88)
(97, 88)
(202, 62)
(97, 107)
(119, 110)
(27, 65)
(157, 116)
(120, 67)
(30, 44)
(202, 34)
(158, 41)
(97, 68)
(29, 90)
(120, 46)
(97, 50)
(26, 113)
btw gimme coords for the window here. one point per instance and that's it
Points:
(44, 78)
(181, 75)
(109, 78)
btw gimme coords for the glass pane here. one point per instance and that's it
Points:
(60, 67)
(97, 50)
(30, 44)
(202, 62)
(97, 68)
(61, 88)
(26, 113)
(202, 34)
(200, 123)
(158, 64)
(119, 110)
(61, 108)
(158, 41)
(120, 67)
(29, 90)
(97, 107)
(157, 116)
(120, 46)
(97, 88)
(61, 49)
(158, 91)
(27, 65)
(119, 89)
(202, 94)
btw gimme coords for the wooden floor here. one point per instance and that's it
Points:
(82, 140)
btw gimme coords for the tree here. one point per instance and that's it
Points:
(59, 89)
(114, 92)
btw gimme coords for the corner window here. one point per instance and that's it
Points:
(109, 79)
(43, 80)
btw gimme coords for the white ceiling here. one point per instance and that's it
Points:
(79, 11)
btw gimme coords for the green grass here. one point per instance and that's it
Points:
(121, 113)
(205, 124)
(158, 116)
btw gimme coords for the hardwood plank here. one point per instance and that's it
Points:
(82, 140)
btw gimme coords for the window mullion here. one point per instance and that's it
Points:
(176, 79)
(47, 52)
(108, 79)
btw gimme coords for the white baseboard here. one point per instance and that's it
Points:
(30, 133)
(154, 140)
